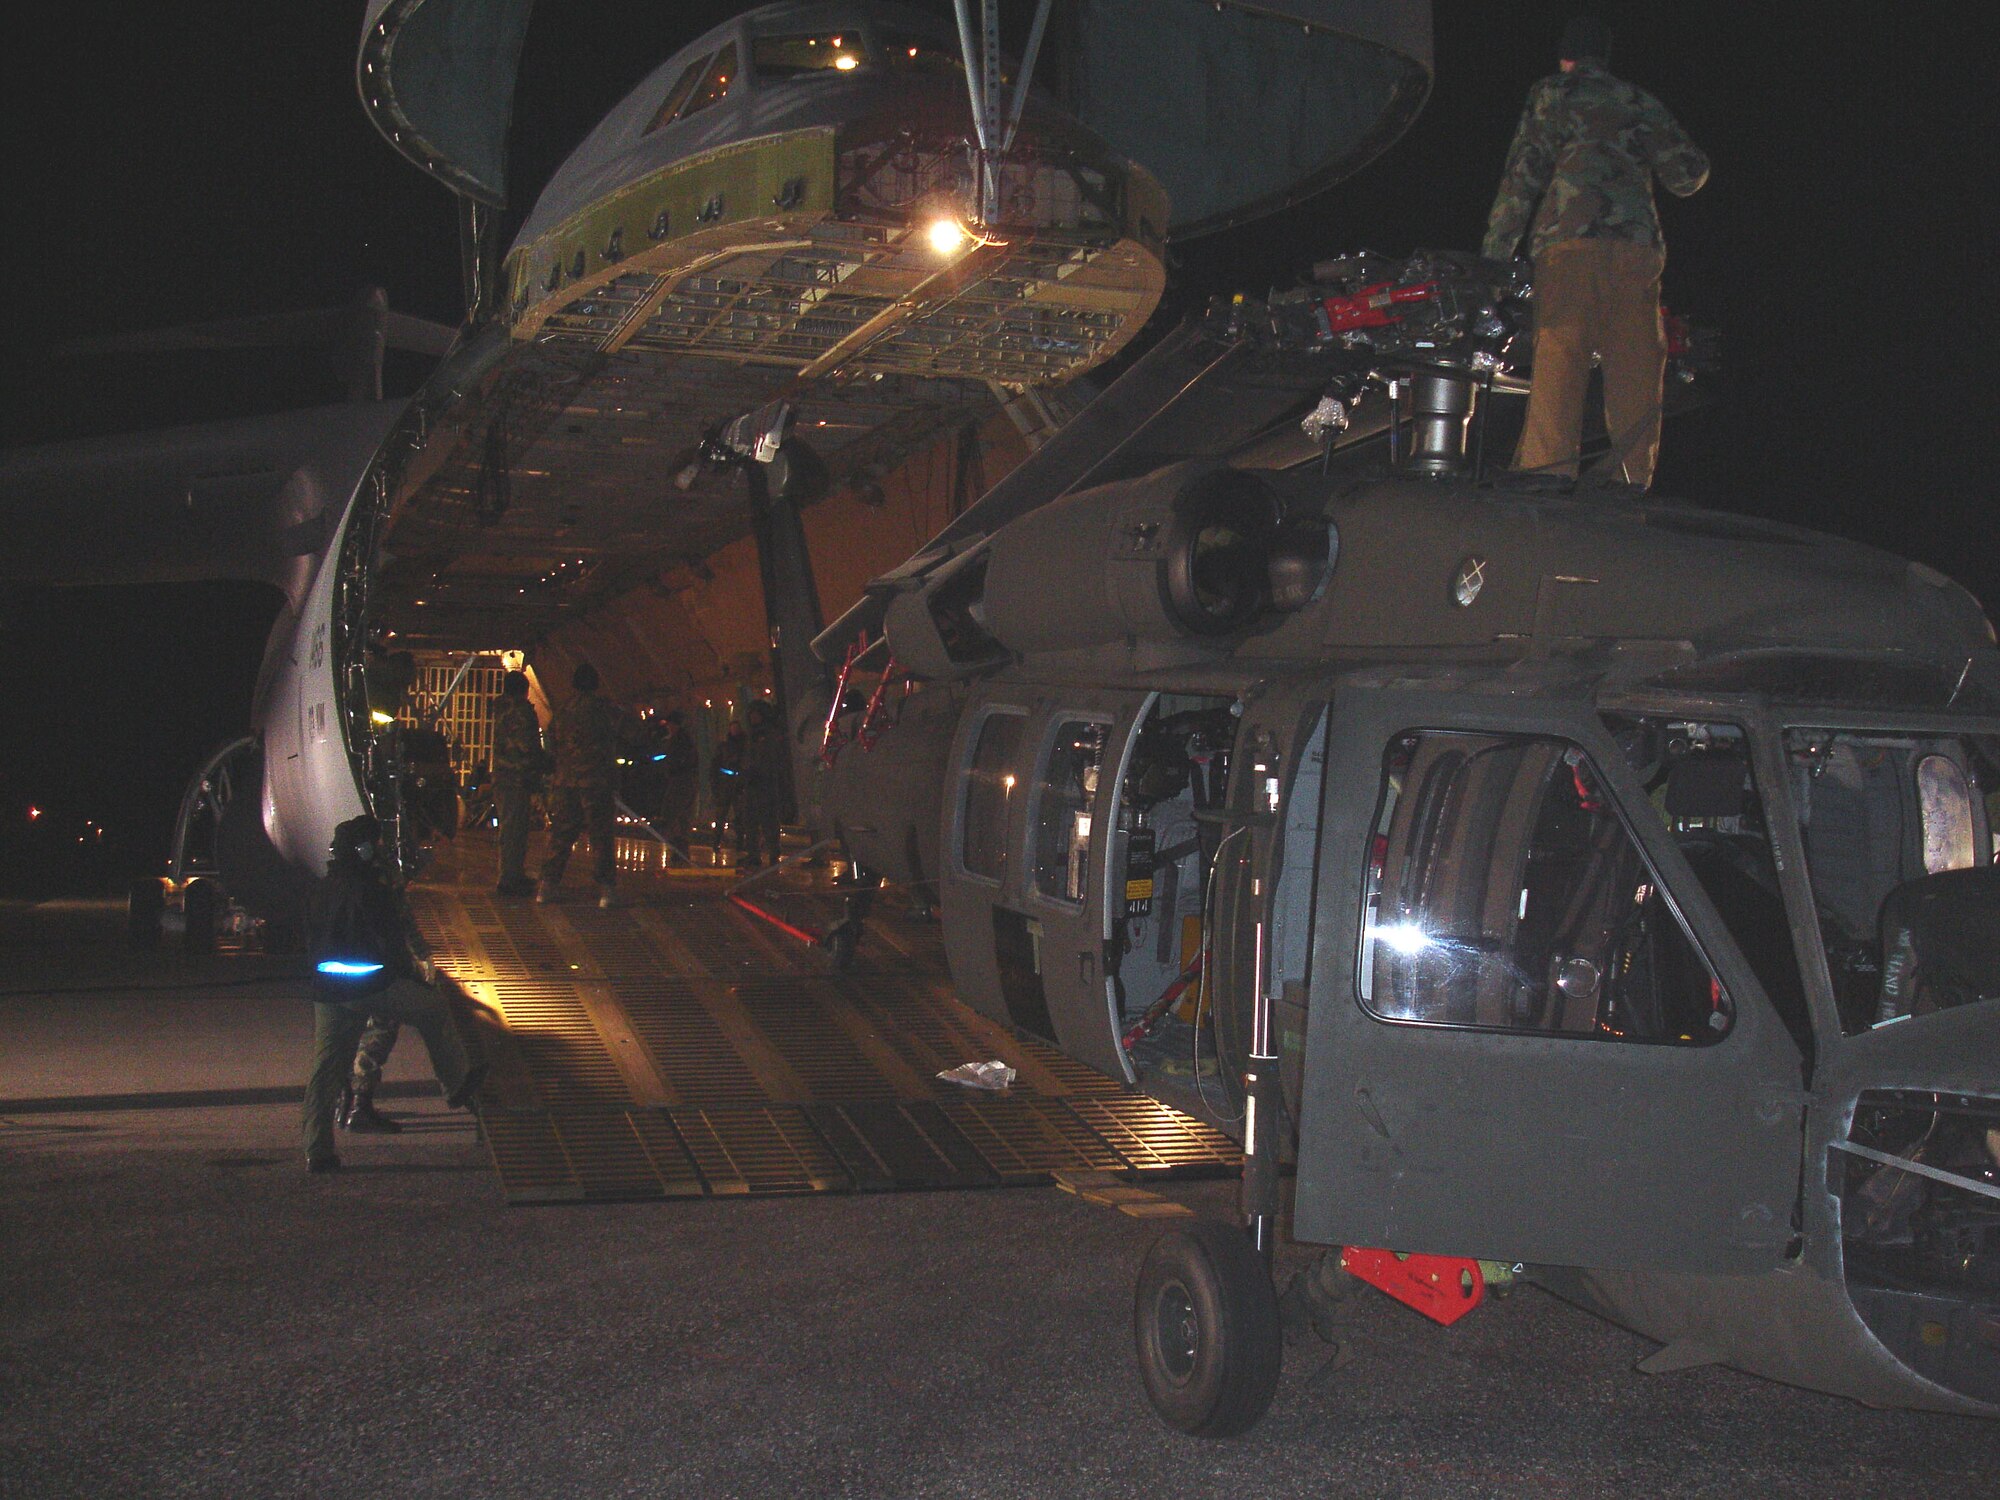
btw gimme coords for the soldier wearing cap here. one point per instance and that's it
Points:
(1579, 183)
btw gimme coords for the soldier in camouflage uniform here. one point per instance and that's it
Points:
(584, 737)
(517, 766)
(1581, 173)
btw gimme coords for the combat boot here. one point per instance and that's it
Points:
(343, 1104)
(363, 1118)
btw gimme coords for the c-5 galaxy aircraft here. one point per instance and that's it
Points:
(800, 206)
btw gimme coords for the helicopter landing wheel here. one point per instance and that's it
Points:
(1209, 1338)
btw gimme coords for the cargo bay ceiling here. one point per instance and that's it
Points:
(751, 223)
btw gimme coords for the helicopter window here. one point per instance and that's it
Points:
(677, 96)
(989, 790)
(1504, 891)
(793, 56)
(1063, 803)
(1888, 820)
(1699, 780)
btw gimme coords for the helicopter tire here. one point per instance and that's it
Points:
(198, 907)
(145, 904)
(1205, 1319)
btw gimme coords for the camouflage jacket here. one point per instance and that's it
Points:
(517, 739)
(585, 737)
(1583, 162)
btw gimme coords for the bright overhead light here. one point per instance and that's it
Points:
(846, 62)
(946, 236)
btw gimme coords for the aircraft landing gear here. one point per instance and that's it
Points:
(1211, 1342)
(1209, 1339)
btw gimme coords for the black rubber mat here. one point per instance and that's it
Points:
(677, 1048)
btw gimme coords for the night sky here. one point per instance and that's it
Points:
(178, 163)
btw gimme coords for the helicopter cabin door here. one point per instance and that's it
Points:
(1530, 1038)
(1023, 887)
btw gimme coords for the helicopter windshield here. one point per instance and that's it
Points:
(1898, 833)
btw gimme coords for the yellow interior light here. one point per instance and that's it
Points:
(946, 236)
(845, 62)
(376, 716)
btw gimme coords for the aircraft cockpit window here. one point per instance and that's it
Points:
(1064, 799)
(1900, 851)
(677, 96)
(715, 84)
(803, 53)
(700, 85)
(1505, 892)
(1699, 779)
(989, 793)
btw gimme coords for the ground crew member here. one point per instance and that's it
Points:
(728, 786)
(368, 961)
(643, 779)
(584, 737)
(518, 764)
(682, 767)
(766, 767)
(1581, 171)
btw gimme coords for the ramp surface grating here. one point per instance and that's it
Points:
(672, 1050)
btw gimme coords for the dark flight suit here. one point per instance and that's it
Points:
(343, 1010)
(677, 793)
(765, 765)
(728, 773)
(642, 781)
(1582, 167)
(584, 737)
(517, 763)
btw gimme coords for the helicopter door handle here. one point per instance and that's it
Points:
(1086, 968)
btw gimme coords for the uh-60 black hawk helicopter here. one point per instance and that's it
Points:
(1597, 891)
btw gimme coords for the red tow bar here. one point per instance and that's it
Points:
(1444, 1288)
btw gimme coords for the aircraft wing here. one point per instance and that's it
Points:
(252, 499)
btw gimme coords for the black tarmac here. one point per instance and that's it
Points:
(184, 1312)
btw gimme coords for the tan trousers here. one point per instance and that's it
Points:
(1597, 297)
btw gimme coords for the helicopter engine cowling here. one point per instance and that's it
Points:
(1182, 554)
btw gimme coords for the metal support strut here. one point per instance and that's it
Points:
(1260, 1105)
